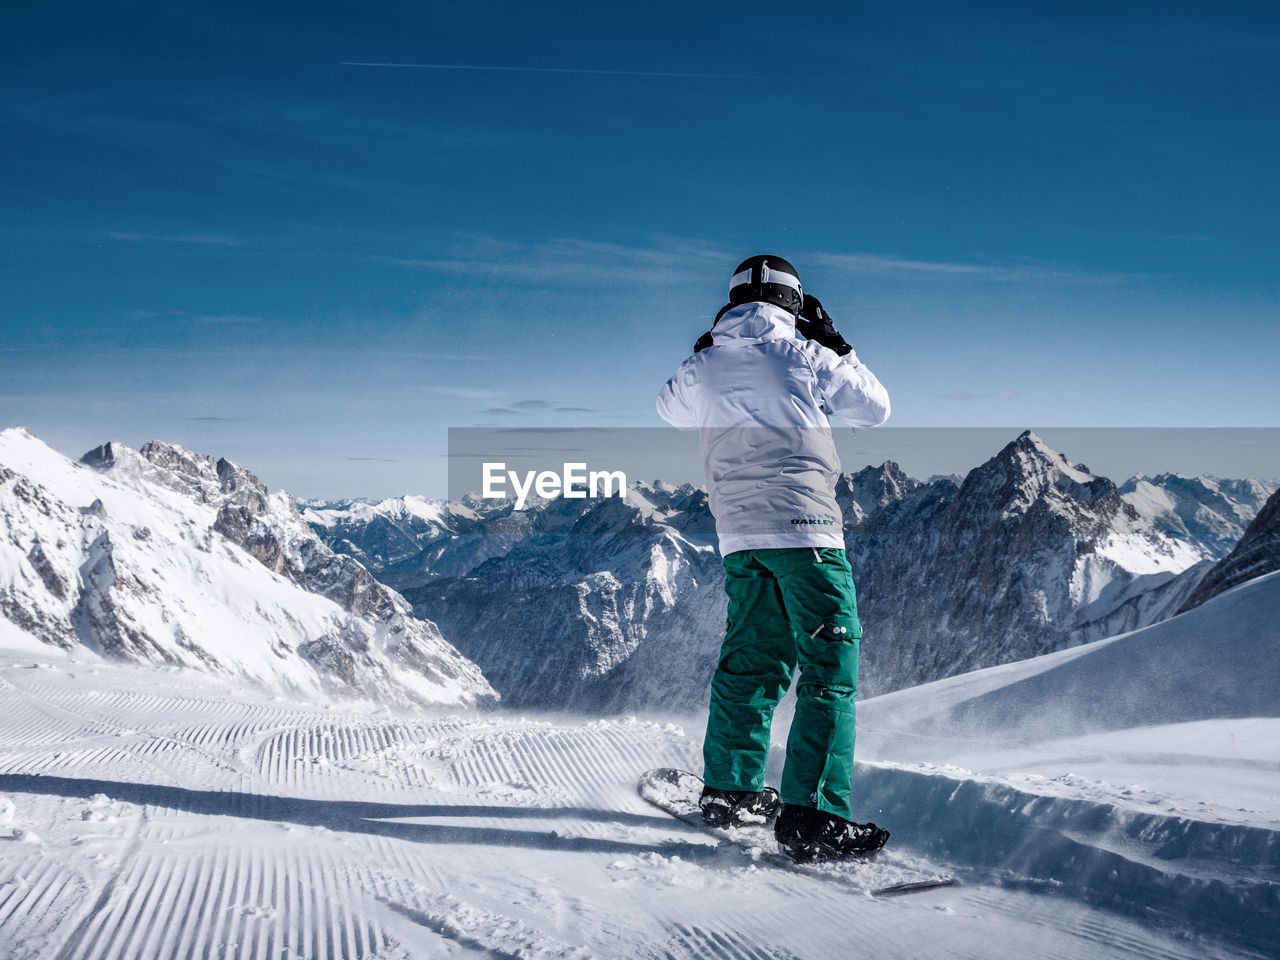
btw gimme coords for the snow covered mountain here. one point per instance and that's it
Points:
(172, 557)
(1208, 512)
(1029, 554)
(379, 532)
(607, 606)
(1257, 553)
(410, 540)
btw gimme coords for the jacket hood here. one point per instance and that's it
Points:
(754, 321)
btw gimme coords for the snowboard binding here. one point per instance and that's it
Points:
(807, 835)
(738, 808)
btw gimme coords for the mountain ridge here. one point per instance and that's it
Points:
(167, 556)
(1028, 553)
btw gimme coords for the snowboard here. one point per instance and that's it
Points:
(887, 874)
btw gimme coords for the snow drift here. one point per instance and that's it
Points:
(1217, 660)
(1135, 773)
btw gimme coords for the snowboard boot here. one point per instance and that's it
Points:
(805, 834)
(737, 808)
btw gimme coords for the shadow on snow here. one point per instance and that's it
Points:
(380, 819)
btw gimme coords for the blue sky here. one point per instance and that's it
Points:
(215, 230)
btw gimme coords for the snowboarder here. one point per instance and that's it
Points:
(759, 398)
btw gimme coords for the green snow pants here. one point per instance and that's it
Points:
(787, 608)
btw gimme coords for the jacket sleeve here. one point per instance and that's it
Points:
(849, 390)
(675, 400)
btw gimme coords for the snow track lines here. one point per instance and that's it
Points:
(573, 760)
(158, 821)
(233, 900)
(722, 945)
(37, 893)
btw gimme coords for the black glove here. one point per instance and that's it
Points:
(814, 323)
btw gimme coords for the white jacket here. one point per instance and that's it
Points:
(759, 398)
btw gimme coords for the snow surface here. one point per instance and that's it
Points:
(157, 813)
(1215, 661)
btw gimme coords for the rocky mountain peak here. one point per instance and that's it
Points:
(205, 479)
(235, 480)
(871, 490)
(886, 483)
(1030, 454)
(1028, 471)
(113, 455)
(178, 459)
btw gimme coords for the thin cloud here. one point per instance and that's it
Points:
(195, 318)
(558, 449)
(993, 395)
(531, 404)
(553, 431)
(1011, 271)
(430, 355)
(577, 410)
(226, 318)
(880, 263)
(466, 393)
(503, 412)
(572, 261)
(565, 260)
(487, 68)
(206, 239)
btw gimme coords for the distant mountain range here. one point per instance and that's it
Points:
(1255, 555)
(615, 606)
(1207, 512)
(168, 556)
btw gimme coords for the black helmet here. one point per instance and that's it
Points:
(767, 278)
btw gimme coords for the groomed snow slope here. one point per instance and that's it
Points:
(157, 815)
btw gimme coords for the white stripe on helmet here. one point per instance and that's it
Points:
(767, 276)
